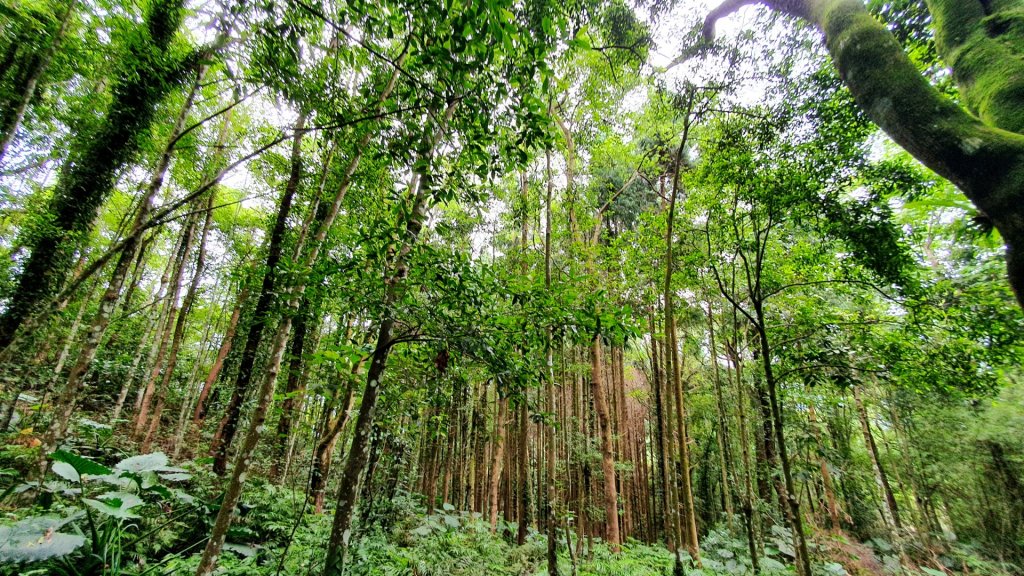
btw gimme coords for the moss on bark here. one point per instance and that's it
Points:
(149, 71)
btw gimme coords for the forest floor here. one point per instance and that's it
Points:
(75, 525)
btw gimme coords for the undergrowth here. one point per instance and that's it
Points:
(141, 516)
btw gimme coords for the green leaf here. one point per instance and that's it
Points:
(143, 463)
(66, 471)
(114, 511)
(83, 466)
(36, 539)
(124, 500)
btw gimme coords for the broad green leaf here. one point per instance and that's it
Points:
(83, 466)
(109, 509)
(124, 500)
(66, 471)
(36, 539)
(143, 463)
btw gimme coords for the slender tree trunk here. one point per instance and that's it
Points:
(522, 484)
(199, 415)
(550, 507)
(723, 423)
(662, 439)
(800, 540)
(179, 328)
(611, 506)
(349, 487)
(689, 529)
(262, 313)
(826, 475)
(72, 336)
(750, 520)
(882, 479)
(12, 118)
(166, 337)
(130, 376)
(498, 458)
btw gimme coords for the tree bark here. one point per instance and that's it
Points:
(983, 157)
(152, 389)
(88, 174)
(611, 504)
(349, 487)
(498, 459)
(261, 315)
(179, 328)
(199, 415)
(893, 516)
(826, 476)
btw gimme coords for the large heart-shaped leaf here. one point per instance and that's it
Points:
(143, 463)
(83, 466)
(115, 504)
(36, 539)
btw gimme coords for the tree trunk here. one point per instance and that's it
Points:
(688, 531)
(826, 475)
(498, 458)
(262, 313)
(12, 118)
(88, 174)
(611, 505)
(723, 424)
(892, 518)
(179, 328)
(349, 487)
(800, 541)
(750, 521)
(165, 338)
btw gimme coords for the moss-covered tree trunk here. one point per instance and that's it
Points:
(979, 149)
(148, 73)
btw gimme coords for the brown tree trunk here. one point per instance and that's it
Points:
(152, 389)
(349, 487)
(611, 505)
(882, 479)
(262, 313)
(199, 415)
(826, 475)
(500, 418)
(689, 528)
(796, 518)
(723, 424)
(179, 328)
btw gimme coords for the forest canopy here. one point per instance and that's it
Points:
(511, 287)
